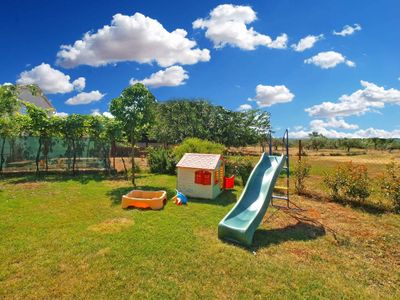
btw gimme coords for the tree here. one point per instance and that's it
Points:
(73, 130)
(10, 119)
(350, 143)
(96, 131)
(198, 118)
(317, 140)
(135, 109)
(41, 126)
(113, 133)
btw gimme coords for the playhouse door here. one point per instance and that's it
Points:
(221, 176)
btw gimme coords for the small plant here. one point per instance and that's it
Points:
(240, 166)
(390, 184)
(195, 145)
(348, 182)
(161, 160)
(301, 171)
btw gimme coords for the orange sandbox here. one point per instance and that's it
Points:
(144, 199)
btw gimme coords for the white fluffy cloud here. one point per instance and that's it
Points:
(172, 76)
(50, 80)
(61, 114)
(132, 38)
(331, 123)
(280, 42)
(326, 128)
(244, 107)
(227, 25)
(96, 112)
(79, 84)
(307, 42)
(362, 133)
(371, 97)
(85, 98)
(329, 59)
(348, 30)
(267, 95)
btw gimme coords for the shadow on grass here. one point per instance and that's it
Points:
(300, 231)
(116, 194)
(224, 199)
(367, 206)
(59, 177)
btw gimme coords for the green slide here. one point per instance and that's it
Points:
(242, 221)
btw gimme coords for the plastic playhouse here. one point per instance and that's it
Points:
(202, 175)
(144, 199)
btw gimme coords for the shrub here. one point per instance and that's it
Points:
(239, 166)
(390, 184)
(195, 145)
(348, 182)
(300, 172)
(161, 160)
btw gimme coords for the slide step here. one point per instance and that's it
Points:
(281, 188)
(280, 197)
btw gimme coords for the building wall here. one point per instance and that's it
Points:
(216, 189)
(187, 186)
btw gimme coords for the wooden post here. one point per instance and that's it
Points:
(300, 150)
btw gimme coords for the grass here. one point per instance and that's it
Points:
(67, 237)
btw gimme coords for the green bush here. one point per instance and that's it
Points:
(348, 182)
(195, 145)
(161, 160)
(239, 166)
(300, 172)
(390, 184)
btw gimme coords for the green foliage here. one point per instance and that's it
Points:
(73, 128)
(390, 184)
(9, 103)
(301, 171)
(161, 160)
(240, 166)
(317, 141)
(135, 109)
(180, 119)
(348, 182)
(195, 145)
(39, 125)
(351, 143)
(11, 122)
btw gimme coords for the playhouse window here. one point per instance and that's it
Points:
(202, 177)
(206, 178)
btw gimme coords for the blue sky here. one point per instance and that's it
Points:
(230, 55)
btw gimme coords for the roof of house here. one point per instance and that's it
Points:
(38, 98)
(199, 161)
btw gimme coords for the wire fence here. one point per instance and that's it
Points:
(23, 153)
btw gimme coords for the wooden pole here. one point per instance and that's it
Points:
(300, 150)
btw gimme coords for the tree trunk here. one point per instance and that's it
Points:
(74, 157)
(47, 142)
(112, 153)
(2, 160)
(133, 159)
(126, 170)
(38, 154)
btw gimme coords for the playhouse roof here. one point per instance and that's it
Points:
(199, 161)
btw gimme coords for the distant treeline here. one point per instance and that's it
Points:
(317, 141)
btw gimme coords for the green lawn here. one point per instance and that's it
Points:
(67, 237)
